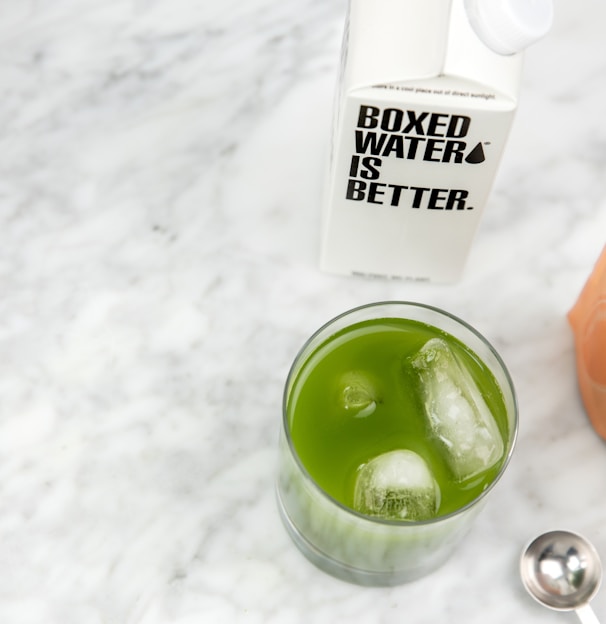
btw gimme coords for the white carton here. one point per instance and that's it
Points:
(422, 116)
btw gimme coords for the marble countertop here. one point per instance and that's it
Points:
(161, 167)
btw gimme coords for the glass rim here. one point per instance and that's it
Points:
(386, 521)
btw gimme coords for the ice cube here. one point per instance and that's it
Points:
(358, 394)
(456, 411)
(397, 485)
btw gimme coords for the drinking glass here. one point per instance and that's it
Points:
(364, 549)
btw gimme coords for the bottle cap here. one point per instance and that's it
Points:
(509, 26)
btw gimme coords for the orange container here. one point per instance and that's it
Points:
(588, 321)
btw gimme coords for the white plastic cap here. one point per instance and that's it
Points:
(509, 26)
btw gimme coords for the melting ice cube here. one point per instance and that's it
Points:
(397, 485)
(456, 411)
(357, 394)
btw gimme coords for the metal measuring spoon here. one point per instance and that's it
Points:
(562, 571)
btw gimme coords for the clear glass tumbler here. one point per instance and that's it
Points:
(363, 549)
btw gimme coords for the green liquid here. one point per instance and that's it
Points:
(333, 441)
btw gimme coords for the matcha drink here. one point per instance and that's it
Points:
(363, 394)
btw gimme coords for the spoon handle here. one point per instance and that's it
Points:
(586, 615)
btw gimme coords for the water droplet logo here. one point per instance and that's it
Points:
(476, 156)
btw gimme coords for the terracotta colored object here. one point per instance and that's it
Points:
(588, 321)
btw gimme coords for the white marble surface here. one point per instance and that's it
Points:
(160, 165)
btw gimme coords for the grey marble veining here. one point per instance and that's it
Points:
(160, 172)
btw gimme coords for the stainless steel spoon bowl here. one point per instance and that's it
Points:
(562, 571)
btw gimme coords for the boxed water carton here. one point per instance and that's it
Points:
(427, 95)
